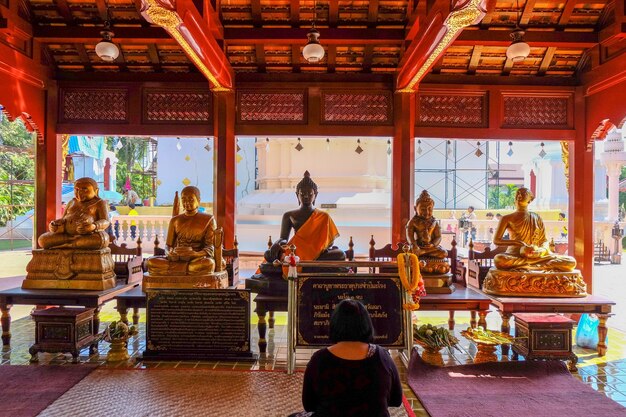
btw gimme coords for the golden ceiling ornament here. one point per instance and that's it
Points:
(170, 21)
(456, 21)
(565, 159)
(186, 181)
(187, 158)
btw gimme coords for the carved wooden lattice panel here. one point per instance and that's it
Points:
(451, 110)
(357, 108)
(109, 105)
(270, 107)
(535, 111)
(177, 106)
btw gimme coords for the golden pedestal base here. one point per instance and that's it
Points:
(535, 283)
(215, 280)
(485, 353)
(118, 351)
(70, 269)
(438, 284)
(434, 266)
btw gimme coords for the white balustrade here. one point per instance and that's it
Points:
(149, 227)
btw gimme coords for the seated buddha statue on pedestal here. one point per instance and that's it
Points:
(190, 249)
(424, 234)
(528, 268)
(314, 234)
(75, 252)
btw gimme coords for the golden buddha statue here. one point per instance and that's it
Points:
(423, 231)
(528, 267)
(424, 234)
(75, 252)
(84, 222)
(190, 241)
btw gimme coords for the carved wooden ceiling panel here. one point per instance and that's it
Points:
(267, 36)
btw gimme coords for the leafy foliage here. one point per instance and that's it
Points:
(17, 170)
(502, 196)
(132, 163)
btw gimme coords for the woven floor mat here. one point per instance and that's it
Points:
(184, 393)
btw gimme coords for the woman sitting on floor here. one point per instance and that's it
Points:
(353, 377)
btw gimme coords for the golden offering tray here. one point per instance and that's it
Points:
(430, 355)
(487, 349)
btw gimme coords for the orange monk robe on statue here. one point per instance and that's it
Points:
(314, 236)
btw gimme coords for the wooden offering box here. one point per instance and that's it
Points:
(544, 336)
(62, 329)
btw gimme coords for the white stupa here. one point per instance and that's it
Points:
(613, 158)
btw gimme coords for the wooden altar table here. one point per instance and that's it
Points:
(462, 299)
(134, 299)
(90, 299)
(591, 304)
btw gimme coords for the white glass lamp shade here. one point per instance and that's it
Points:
(107, 50)
(313, 52)
(518, 51)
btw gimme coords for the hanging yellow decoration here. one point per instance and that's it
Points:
(411, 278)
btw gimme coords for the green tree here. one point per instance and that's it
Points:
(132, 163)
(502, 196)
(17, 170)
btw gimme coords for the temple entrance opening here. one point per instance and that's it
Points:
(17, 183)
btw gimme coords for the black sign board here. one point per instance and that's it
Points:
(317, 297)
(206, 323)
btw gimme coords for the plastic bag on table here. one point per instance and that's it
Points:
(587, 331)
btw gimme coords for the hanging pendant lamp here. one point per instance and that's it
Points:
(518, 50)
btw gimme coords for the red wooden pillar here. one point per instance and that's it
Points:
(403, 175)
(581, 200)
(48, 171)
(224, 174)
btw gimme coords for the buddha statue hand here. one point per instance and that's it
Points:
(184, 253)
(86, 228)
(276, 251)
(56, 226)
(533, 252)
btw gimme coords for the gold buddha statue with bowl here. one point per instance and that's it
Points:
(528, 267)
(75, 252)
(193, 250)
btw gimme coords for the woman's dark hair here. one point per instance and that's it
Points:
(351, 322)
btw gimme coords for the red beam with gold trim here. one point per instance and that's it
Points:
(184, 23)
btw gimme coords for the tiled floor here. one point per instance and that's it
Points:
(607, 375)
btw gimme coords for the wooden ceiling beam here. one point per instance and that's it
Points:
(568, 9)
(327, 36)
(527, 12)
(332, 58)
(260, 57)
(84, 57)
(102, 10)
(368, 58)
(533, 38)
(73, 34)
(64, 11)
(294, 13)
(546, 61)
(372, 13)
(333, 14)
(475, 59)
(507, 67)
(296, 58)
(257, 18)
(153, 54)
(100, 76)
(435, 79)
